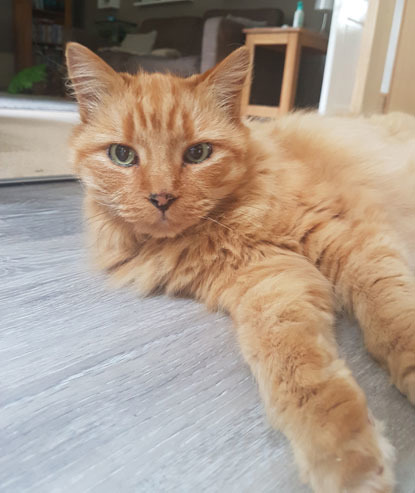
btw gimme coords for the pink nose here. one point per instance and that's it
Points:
(162, 200)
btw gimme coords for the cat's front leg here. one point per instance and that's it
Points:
(283, 311)
(376, 283)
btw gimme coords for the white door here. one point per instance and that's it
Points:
(342, 55)
(370, 65)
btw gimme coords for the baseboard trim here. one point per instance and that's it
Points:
(37, 179)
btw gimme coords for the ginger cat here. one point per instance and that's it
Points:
(280, 224)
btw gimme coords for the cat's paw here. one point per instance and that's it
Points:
(379, 478)
(402, 369)
(364, 464)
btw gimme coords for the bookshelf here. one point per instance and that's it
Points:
(38, 28)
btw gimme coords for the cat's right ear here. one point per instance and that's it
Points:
(226, 80)
(91, 78)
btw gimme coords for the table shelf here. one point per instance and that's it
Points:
(293, 40)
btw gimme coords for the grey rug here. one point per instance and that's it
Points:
(101, 391)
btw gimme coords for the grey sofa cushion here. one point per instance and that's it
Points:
(222, 33)
(182, 33)
(274, 17)
(220, 37)
(245, 21)
(124, 62)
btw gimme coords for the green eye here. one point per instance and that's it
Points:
(197, 153)
(122, 155)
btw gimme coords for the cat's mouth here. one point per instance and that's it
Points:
(169, 224)
(164, 227)
(164, 218)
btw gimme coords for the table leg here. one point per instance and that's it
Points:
(290, 76)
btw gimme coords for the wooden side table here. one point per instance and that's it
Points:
(295, 39)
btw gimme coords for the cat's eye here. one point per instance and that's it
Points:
(197, 153)
(122, 155)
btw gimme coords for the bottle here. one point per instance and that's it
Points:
(299, 15)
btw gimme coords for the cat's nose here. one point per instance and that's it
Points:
(162, 200)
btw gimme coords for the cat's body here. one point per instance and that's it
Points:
(310, 183)
(283, 224)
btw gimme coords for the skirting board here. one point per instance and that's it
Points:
(36, 179)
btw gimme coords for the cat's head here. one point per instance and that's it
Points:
(158, 151)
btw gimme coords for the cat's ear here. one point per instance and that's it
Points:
(91, 78)
(227, 79)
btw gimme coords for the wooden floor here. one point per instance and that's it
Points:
(101, 391)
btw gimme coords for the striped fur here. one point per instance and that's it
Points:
(285, 223)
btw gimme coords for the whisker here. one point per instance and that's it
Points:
(217, 222)
(89, 219)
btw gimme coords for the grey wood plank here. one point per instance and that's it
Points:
(101, 391)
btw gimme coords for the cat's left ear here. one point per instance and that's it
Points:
(90, 76)
(227, 79)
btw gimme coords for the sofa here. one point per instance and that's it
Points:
(198, 42)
